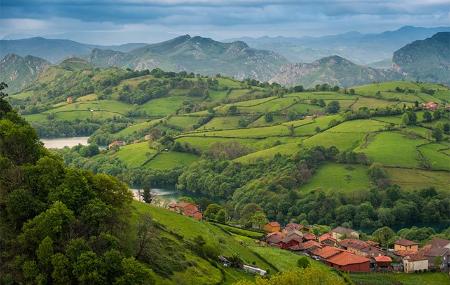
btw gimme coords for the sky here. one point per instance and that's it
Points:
(121, 21)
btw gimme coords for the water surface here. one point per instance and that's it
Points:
(63, 142)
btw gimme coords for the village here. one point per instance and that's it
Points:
(342, 248)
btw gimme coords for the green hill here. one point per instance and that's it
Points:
(426, 60)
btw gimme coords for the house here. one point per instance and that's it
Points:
(326, 252)
(342, 233)
(275, 239)
(402, 246)
(327, 239)
(69, 100)
(360, 248)
(116, 144)
(347, 261)
(383, 262)
(309, 236)
(254, 270)
(293, 227)
(437, 251)
(292, 239)
(186, 209)
(415, 262)
(272, 227)
(431, 106)
(310, 245)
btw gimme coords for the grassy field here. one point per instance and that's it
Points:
(183, 122)
(221, 123)
(135, 155)
(400, 279)
(393, 149)
(436, 156)
(169, 160)
(333, 177)
(415, 179)
(163, 106)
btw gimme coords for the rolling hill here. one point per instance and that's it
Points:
(426, 60)
(333, 70)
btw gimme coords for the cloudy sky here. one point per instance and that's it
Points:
(119, 21)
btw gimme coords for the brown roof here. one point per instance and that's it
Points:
(346, 258)
(310, 244)
(293, 226)
(405, 242)
(439, 242)
(417, 256)
(327, 251)
(309, 236)
(274, 237)
(326, 236)
(383, 258)
(342, 230)
(436, 247)
(353, 243)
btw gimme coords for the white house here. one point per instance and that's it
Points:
(414, 263)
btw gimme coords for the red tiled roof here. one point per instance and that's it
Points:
(325, 237)
(405, 242)
(327, 251)
(353, 243)
(383, 258)
(274, 237)
(292, 226)
(310, 244)
(309, 236)
(346, 258)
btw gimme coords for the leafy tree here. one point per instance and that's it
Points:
(147, 195)
(268, 117)
(405, 119)
(222, 216)
(384, 236)
(427, 117)
(333, 107)
(303, 262)
(134, 272)
(88, 269)
(44, 254)
(437, 134)
(258, 219)
(212, 210)
(61, 269)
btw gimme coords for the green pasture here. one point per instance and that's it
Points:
(183, 122)
(221, 123)
(163, 106)
(415, 179)
(341, 178)
(393, 149)
(135, 155)
(342, 141)
(436, 156)
(169, 160)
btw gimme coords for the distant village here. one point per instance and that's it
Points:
(342, 249)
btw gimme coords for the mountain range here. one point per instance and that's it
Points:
(420, 60)
(196, 54)
(333, 70)
(55, 50)
(357, 47)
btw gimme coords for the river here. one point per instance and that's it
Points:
(164, 194)
(63, 142)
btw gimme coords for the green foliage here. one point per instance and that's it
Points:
(303, 262)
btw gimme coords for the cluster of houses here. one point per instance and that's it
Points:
(342, 249)
(186, 209)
